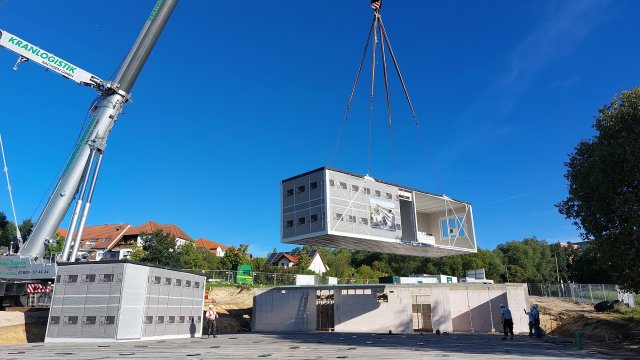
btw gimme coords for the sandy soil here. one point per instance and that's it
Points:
(234, 306)
(602, 332)
(21, 325)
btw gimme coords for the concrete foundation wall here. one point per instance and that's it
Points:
(358, 310)
(399, 308)
(285, 309)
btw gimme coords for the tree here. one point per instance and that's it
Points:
(304, 261)
(235, 256)
(56, 245)
(192, 257)
(137, 253)
(604, 188)
(160, 249)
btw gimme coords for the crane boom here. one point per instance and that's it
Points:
(84, 164)
(28, 51)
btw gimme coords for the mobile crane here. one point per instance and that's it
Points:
(29, 266)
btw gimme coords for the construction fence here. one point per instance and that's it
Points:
(583, 293)
(280, 279)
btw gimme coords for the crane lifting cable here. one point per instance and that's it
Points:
(377, 29)
(13, 208)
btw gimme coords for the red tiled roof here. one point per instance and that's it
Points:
(292, 258)
(102, 235)
(62, 232)
(152, 226)
(209, 245)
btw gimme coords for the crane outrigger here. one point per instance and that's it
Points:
(78, 180)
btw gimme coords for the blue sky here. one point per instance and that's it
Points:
(239, 95)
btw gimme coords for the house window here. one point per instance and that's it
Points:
(343, 185)
(289, 223)
(198, 319)
(314, 185)
(155, 280)
(378, 193)
(178, 282)
(301, 189)
(180, 319)
(339, 217)
(160, 320)
(196, 285)
(355, 188)
(187, 283)
(289, 192)
(452, 227)
(351, 218)
(167, 281)
(388, 196)
(366, 190)
(89, 244)
(58, 278)
(364, 221)
(171, 320)
(89, 278)
(71, 279)
(302, 220)
(314, 217)
(55, 320)
(148, 320)
(332, 183)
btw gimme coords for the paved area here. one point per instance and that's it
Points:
(308, 346)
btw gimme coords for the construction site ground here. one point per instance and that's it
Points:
(309, 346)
(601, 332)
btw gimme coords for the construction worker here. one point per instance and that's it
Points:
(507, 321)
(534, 320)
(211, 317)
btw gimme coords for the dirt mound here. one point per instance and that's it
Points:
(602, 332)
(234, 306)
(23, 325)
(594, 328)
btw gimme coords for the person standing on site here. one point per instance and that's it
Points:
(536, 320)
(532, 315)
(211, 317)
(507, 321)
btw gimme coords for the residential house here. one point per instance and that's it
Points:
(213, 247)
(288, 259)
(122, 248)
(96, 240)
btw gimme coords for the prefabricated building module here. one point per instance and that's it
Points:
(122, 300)
(338, 209)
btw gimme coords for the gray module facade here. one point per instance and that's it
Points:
(334, 208)
(114, 301)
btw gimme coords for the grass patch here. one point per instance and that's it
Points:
(627, 314)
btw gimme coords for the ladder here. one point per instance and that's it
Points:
(303, 310)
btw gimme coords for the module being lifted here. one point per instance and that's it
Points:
(334, 208)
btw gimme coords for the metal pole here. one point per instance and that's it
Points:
(13, 208)
(87, 205)
(557, 271)
(76, 211)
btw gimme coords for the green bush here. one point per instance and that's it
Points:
(627, 314)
